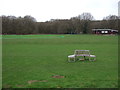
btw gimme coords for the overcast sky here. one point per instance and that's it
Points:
(44, 10)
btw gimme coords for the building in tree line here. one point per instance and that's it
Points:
(104, 31)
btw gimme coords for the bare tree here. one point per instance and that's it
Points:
(86, 19)
(86, 16)
(111, 21)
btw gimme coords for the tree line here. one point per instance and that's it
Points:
(81, 24)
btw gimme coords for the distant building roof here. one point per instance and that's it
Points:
(104, 30)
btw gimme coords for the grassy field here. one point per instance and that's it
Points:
(0, 61)
(31, 61)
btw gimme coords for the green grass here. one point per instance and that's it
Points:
(0, 61)
(39, 57)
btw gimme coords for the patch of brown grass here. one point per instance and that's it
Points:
(33, 81)
(58, 76)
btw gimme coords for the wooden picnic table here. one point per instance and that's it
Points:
(81, 54)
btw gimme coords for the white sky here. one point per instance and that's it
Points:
(44, 10)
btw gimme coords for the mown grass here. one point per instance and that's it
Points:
(0, 61)
(39, 57)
